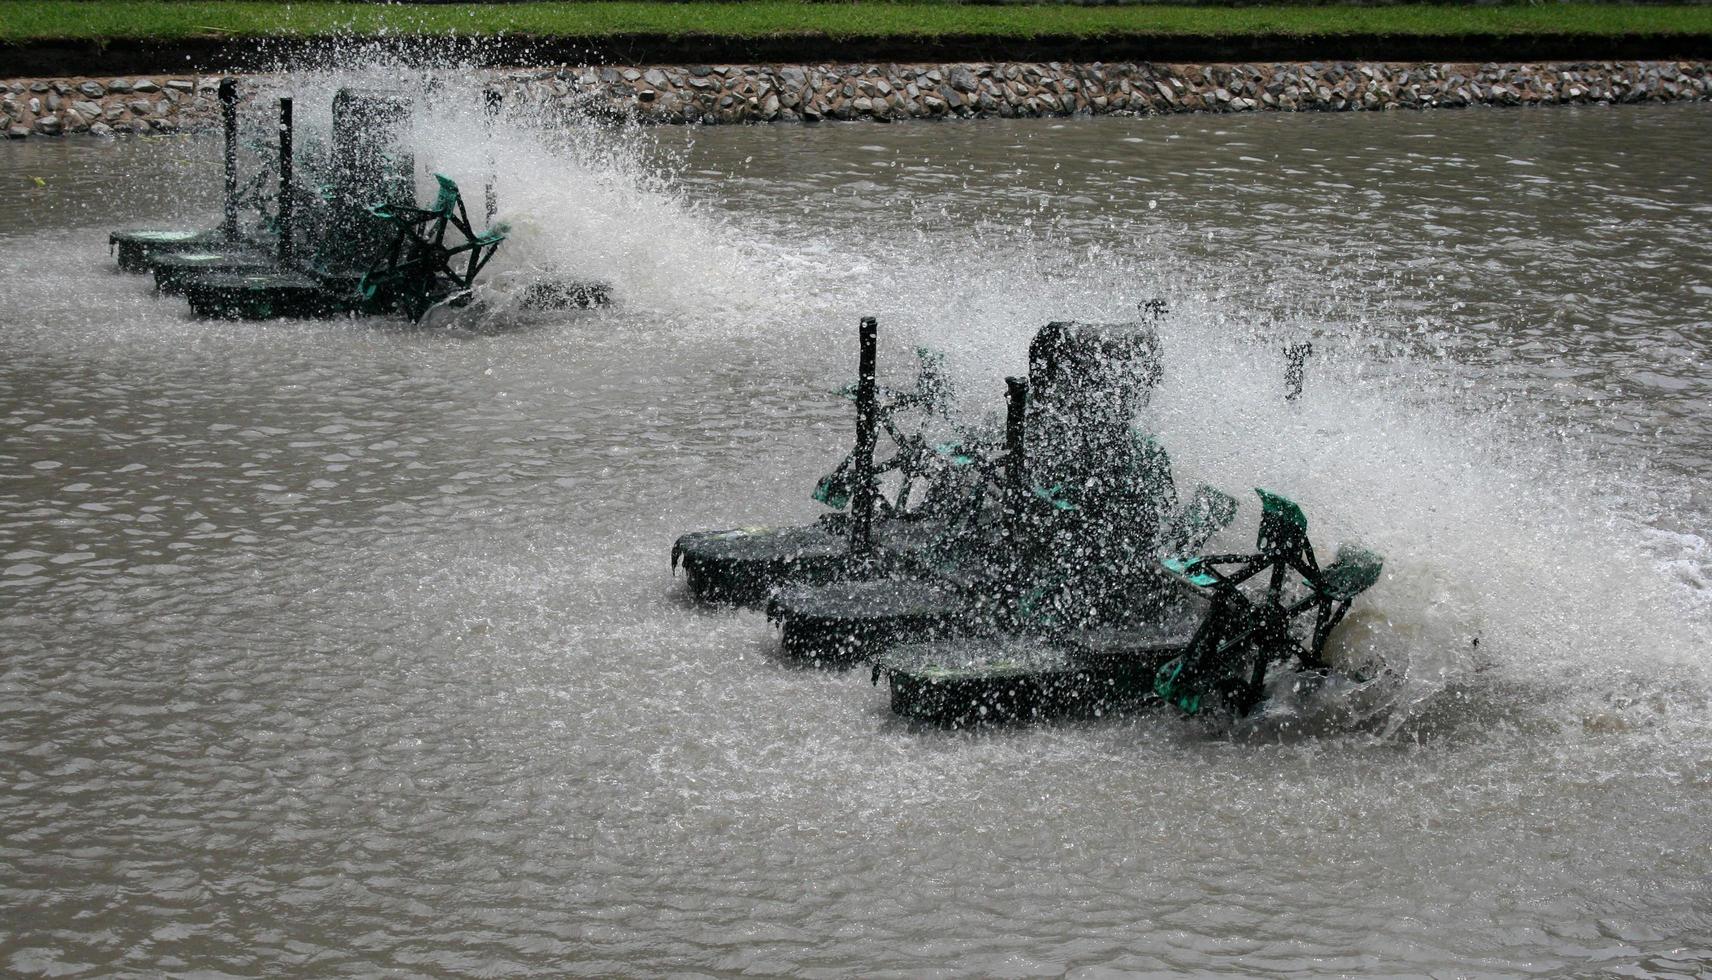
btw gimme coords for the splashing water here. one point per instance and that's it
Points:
(1508, 548)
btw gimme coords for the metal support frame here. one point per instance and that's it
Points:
(863, 494)
(285, 181)
(1016, 478)
(229, 120)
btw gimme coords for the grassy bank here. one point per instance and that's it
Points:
(26, 21)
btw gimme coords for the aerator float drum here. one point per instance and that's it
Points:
(1055, 527)
(1041, 573)
(744, 565)
(339, 233)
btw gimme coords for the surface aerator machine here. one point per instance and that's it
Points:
(339, 235)
(1048, 572)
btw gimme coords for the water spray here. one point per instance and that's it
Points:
(1296, 361)
(492, 100)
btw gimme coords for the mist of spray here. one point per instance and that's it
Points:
(1510, 557)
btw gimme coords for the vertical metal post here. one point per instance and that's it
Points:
(1296, 358)
(867, 433)
(492, 99)
(229, 118)
(285, 181)
(1016, 403)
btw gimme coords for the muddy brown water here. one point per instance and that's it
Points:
(342, 647)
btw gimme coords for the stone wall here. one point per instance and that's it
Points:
(765, 93)
(105, 107)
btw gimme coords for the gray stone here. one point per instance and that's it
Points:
(17, 133)
(54, 102)
(144, 85)
(92, 89)
(48, 125)
(73, 121)
(700, 71)
(139, 107)
(181, 85)
(38, 87)
(88, 110)
(962, 79)
(656, 78)
(631, 74)
(35, 106)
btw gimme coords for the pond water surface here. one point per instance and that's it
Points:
(341, 647)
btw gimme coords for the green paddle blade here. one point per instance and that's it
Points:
(1207, 512)
(834, 489)
(1351, 573)
(1168, 683)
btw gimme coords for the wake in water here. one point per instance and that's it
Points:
(1515, 561)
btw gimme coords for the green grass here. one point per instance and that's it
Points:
(29, 20)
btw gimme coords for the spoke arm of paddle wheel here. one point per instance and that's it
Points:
(418, 269)
(1241, 634)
